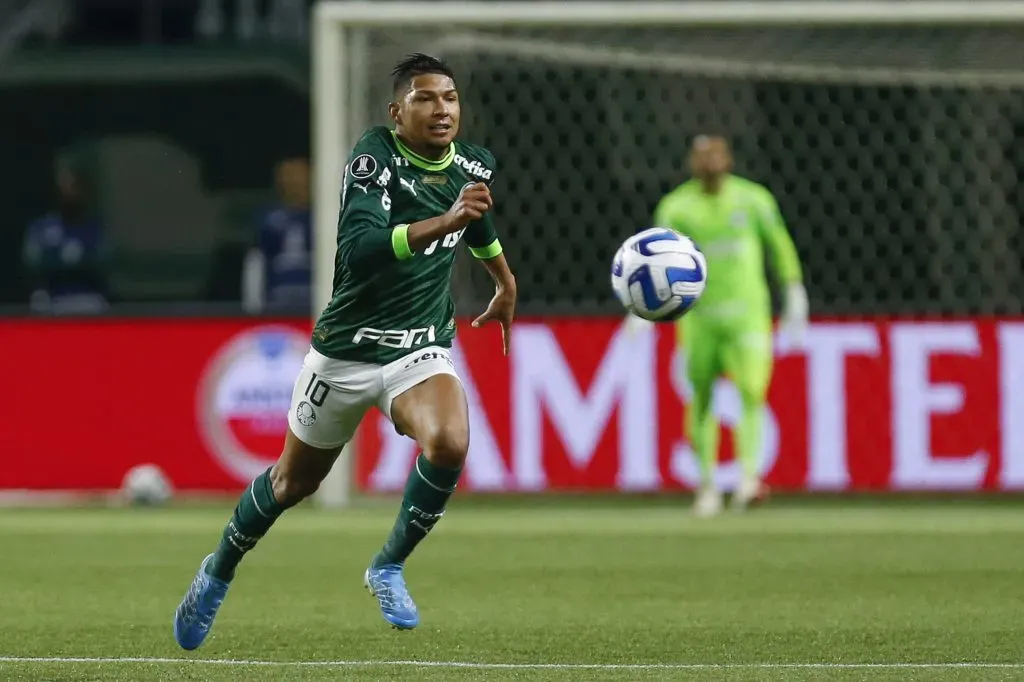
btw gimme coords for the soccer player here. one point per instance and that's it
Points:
(729, 332)
(65, 252)
(278, 269)
(409, 196)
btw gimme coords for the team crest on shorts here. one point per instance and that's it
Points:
(305, 414)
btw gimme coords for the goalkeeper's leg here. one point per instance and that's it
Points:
(747, 360)
(699, 347)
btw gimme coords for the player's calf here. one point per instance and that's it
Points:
(434, 413)
(427, 491)
(296, 475)
(431, 483)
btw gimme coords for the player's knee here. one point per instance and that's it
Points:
(446, 446)
(752, 396)
(289, 488)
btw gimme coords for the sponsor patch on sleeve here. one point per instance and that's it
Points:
(363, 166)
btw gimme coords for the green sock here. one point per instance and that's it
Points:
(702, 427)
(748, 438)
(426, 493)
(255, 514)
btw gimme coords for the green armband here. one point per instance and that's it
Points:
(487, 252)
(400, 242)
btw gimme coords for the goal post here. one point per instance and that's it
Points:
(838, 106)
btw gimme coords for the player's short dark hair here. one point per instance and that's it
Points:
(417, 64)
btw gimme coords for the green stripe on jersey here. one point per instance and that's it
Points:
(487, 252)
(400, 242)
(422, 161)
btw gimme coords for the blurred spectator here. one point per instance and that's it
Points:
(277, 271)
(64, 255)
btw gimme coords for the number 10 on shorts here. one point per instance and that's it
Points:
(316, 390)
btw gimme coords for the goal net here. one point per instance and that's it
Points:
(892, 134)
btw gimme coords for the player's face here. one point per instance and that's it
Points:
(428, 113)
(710, 158)
(69, 187)
(293, 181)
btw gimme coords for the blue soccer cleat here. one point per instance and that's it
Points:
(387, 584)
(195, 614)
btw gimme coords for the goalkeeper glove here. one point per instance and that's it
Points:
(795, 313)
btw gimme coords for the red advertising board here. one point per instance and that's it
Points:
(86, 400)
(860, 406)
(868, 405)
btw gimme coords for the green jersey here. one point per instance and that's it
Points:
(387, 300)
(732, 228)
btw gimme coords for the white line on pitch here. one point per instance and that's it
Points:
(511, 666)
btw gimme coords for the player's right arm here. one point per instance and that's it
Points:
(473, 202)
(662, 217)
(366, 238)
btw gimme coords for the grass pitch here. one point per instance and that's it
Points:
(587, 589)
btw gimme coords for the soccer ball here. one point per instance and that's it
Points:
(146, 485)
(659, 274)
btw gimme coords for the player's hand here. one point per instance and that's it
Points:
(474, 200)
(635, 326)
(503, 310)
(795, 314)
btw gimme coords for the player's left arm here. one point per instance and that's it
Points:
(254, 267)
(484, 245)
(785, 262)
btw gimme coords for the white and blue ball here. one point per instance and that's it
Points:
(659, 274)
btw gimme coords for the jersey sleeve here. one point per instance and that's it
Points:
(481, 237)
(773, 232)
(366, 239)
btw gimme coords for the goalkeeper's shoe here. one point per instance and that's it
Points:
(708, 502)
(195, 614)
(750, 492)
(387, 584)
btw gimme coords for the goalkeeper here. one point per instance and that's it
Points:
(730, 331)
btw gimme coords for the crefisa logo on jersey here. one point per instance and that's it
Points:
(473, 167)
(244, 397)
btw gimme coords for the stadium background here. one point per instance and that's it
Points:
(895, 154)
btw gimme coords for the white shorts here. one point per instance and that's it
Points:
(331, 396)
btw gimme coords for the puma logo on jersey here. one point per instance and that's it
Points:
(408, 184)
(364, 186)
(473, 167)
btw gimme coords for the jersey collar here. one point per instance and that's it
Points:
(423, 162)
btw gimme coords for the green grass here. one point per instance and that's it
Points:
(585, 581)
